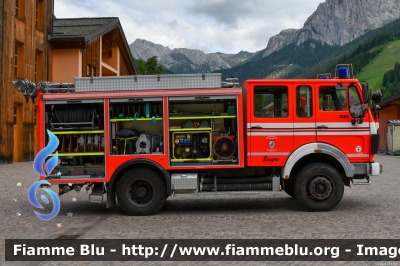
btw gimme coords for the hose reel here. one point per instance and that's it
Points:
(73, 117)
(224, 147)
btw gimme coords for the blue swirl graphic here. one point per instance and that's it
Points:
(32, 198)
(44, 153)
(49, 166)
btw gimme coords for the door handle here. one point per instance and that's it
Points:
(322, 127)
(256, 127)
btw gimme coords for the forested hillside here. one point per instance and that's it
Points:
(363, 44)
(302, 61)
(363, 54)
(391, 81)
(301, 56)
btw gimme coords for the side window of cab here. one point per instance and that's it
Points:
(304, 101)
(270, 101)
(331, 99)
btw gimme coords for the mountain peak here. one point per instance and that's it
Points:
(185, 60)
(145, 49)
(337, 22)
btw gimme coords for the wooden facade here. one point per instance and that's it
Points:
(91, 60)
(24, 54)
(390, 110)
(84, 47)
(27, 53)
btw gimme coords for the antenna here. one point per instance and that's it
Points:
(319, 62)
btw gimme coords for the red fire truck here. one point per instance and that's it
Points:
(140, 139)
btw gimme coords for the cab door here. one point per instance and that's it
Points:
(304, 117)
(334, 123)
(269, 123)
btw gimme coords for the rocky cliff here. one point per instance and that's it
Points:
(141, 48)
(337, 22)
(183, 60)
(234, 59)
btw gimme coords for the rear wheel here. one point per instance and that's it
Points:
(318, 187)
(141, 191)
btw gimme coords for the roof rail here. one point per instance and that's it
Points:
(324, 76)
(230, 83)
(54, 86)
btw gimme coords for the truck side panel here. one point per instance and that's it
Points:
(269, 123)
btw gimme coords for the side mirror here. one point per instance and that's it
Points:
(358, 113)
(365, 92)
(364, 108)
(377, 97)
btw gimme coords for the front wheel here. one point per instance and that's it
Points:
(318, 187)
(141, 191)
(289, 188)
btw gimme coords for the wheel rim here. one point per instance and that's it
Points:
(320, 187)
(140, 193)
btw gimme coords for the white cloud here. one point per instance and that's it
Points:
(210, 25)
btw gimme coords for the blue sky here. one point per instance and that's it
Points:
(227, 26)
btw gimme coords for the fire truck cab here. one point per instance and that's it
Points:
(140, 139)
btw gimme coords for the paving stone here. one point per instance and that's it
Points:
(364, 212)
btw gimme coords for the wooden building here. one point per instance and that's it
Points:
(83, 47)
(390, 110)
(24, 53)
(35, 47)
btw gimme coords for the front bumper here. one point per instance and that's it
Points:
(376, 169)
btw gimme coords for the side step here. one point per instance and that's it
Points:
(368, 182)
(98, 192)
(212, 193)
(193, 183)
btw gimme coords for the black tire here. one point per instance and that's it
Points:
(141, 192)
(318, 187)
(289, 188)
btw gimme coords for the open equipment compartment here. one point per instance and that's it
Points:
(203, 130)
(79, 127)
(136, 126)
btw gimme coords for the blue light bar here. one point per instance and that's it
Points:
(323, 77)
(343, 73)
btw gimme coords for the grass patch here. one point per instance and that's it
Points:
(374, 71)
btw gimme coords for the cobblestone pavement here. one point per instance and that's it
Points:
(367, 212)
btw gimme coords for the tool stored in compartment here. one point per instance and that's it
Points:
(143, 144)
(69, 117)
(126, 141)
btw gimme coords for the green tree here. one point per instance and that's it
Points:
(391, 81)
(141, 67)
(149, 67)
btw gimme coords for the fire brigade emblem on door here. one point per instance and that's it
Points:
(272, 144)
